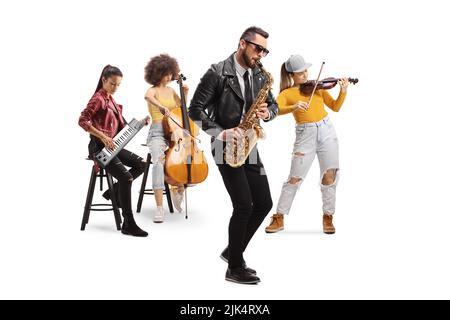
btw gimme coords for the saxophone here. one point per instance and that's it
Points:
(237, 151)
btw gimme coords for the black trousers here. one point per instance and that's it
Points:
(249, 191)
(124, 176)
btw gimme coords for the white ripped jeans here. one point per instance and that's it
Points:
(311, 139)
(157, 145)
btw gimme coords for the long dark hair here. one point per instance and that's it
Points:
(108, 72)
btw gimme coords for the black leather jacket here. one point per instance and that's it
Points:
(218, 102)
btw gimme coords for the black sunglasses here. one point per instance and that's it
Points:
(259, 48)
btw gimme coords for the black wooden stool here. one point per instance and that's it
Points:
(151, 191)
(89, 206)
(101, 175)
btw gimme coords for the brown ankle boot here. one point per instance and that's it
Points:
(276, 224)
(328, 227)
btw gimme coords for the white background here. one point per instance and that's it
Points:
(392, 211)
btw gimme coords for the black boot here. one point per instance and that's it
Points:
(224, 256)
(130, 227)
(107, 194)
(239, 275)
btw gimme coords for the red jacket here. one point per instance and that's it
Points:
(100, 114)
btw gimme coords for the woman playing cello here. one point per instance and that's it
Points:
(161, 99)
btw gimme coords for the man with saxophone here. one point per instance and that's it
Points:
(231, 98)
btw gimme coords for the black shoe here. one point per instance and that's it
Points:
(224, 256)
(129, 227)
(107, 194)
(240, 275)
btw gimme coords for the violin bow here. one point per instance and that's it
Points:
(315, 86)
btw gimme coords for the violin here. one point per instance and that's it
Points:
(185, 163)
(328, 83)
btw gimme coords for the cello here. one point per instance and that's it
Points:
(185, 163)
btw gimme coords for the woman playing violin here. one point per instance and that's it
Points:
(161, 99)
(315, 134)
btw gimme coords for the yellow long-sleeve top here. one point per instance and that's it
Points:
(288, 98)
(155, 114)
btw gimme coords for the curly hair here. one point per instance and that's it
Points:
(160, 66)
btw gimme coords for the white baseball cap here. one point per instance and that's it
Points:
(296, 63)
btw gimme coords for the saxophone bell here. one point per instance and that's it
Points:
(259, 131)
